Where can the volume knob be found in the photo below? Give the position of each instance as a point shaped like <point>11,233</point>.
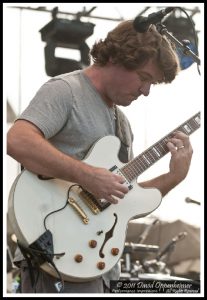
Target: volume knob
<point>101,265</point>
<point>114,251</point>
<point>78,258</point>
<point>92,243</point>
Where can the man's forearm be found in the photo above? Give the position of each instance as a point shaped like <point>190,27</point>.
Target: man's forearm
<point>164,183</point>
<point>39,156</point>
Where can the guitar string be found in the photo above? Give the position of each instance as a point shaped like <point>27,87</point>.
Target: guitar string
<point>139,160</point>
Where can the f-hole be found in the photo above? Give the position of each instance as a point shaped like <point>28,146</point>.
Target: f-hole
<point>108,235</point>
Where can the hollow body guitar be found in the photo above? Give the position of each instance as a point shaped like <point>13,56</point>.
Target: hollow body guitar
<point>91,233</point>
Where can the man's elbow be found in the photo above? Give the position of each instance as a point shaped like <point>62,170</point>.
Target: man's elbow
<point>11,143</point>
<point>15,143</point>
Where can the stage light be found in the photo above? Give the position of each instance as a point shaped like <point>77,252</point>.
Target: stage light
<point>67,34</point>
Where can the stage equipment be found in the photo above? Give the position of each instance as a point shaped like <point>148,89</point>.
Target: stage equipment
<point>65,33</point>
<point>184,30</point>
<point>181,31</point>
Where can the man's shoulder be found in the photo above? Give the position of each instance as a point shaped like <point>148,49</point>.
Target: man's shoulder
<point>70,78</point>
<point>69,74</point>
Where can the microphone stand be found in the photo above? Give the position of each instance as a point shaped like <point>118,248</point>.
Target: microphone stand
<point>170,247</point>
<point>186,50</point>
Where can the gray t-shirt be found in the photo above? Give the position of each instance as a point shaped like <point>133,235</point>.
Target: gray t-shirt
<point>72,116</point>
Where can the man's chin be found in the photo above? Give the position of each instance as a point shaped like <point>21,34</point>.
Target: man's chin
<point>127,104</point>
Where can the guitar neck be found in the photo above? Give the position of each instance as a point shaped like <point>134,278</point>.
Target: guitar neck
<point>147,158</point>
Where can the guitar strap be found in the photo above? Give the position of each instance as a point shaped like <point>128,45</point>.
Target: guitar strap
<point>124,133</point>
<point>30,262</point>
<point>40,251</point>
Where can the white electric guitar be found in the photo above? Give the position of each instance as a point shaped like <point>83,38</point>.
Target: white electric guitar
<point>89,233</point>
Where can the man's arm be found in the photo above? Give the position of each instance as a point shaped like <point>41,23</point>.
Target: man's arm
<point>27,145</point>
<point>179,164</point>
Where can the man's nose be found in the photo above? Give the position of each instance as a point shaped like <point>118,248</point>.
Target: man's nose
<point>145,89</point>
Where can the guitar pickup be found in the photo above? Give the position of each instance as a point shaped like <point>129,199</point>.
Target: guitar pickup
<point>90,201</point>
<point>117,171</point>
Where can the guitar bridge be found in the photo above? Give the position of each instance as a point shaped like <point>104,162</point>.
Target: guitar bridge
<point>79,210</point>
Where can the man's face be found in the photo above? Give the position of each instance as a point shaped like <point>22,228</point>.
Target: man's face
<point>126,86</point>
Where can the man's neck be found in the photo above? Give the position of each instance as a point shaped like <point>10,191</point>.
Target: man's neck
<point>97,77</point>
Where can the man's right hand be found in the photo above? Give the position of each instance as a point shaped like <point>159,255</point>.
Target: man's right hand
<point>104,185</point>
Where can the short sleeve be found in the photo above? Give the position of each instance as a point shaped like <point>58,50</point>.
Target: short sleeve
<point>50,108</point>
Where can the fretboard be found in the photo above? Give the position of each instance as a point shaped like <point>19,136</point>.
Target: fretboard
<point>147,158</point>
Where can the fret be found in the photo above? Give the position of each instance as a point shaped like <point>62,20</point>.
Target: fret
<point>132,170</point>
<point>141,168</point>
<point>189,127</point>
<point>156,152</point>
<point>129,171</point>
<point>191,124</point>
<point>151,155</point>
<point>195,123</point>
<point>135,165</point>
<point>148,156</point>
<point>197,120</point>
<point>163,144</point>
<point>186,128</point>
<point>161,148</point>
<point>143,163</point>
<point>146,159</point>
<point>140,163</point>
<point>182,129</point>
<point>131,176</point>
<point>157,146</point>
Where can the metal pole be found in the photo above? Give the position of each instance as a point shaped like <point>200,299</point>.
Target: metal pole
<point>79,14</point>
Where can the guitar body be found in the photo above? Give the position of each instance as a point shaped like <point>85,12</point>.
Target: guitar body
<point>32,199</point>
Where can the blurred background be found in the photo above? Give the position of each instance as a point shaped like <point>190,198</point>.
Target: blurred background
<point>43,41</point>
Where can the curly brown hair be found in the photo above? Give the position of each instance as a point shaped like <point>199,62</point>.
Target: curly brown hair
<point>131,49</point>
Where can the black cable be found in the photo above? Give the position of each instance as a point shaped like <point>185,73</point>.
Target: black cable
<point>191,23</point>
<point>36,280</point>
<point>61,207</point>
<point>49,260</point>
<point>60,277</point>
<point>32,252</point>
